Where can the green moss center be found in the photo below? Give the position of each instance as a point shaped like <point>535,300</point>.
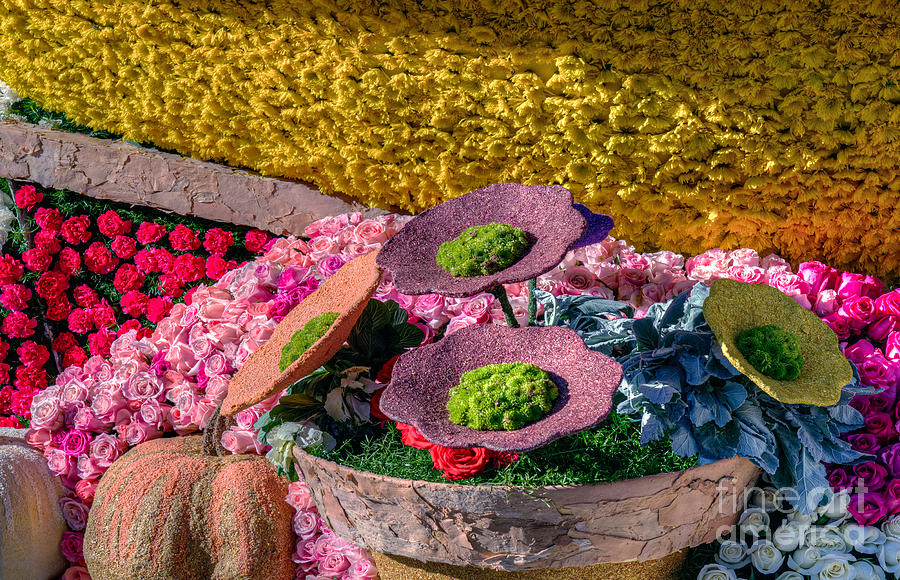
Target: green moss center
<point>501,396</point>
<point>772,351</point>
<point>483,250</point>
<point>312,331</point>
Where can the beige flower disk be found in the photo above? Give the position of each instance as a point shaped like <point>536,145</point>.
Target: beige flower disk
<point>347,292</point>
<point>733,307</point>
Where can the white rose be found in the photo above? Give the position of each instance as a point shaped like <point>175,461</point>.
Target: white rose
<point>790,575</point>
<point>716,572</point>
<point>788,537</point>
<point>837,567</point>
<point>836,509</point>
<point>891,527</point>
<point>754,521</point>
<point>889,555</point>
<point>807,561</point>
<point>766,557</point>
<point>867,571</point>
<point>800,519</point>
<point>732,554</point>
<point>864,539</point>
<point>765,499</point>
<point>828,538</point>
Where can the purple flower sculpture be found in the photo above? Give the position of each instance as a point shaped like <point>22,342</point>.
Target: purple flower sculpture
<point>544,212</point>
<point>422,378</point>
<point>598,227</point>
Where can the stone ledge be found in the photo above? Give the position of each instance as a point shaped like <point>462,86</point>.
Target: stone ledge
<point>120,171</point>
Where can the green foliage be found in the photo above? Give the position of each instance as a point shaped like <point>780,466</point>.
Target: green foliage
<point>483,250</point>
<point>501,396</point>
<point>382,332</point>
<point>612,451</point>
<point>34,113</point>
<point>773,351</point>
<point>312,331</point>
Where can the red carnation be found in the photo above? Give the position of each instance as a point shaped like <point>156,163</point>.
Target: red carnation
<point>49,219</point>
<point>190,268</point>
<point>86,297</point>
<point>80,321</point>
<point>183,239</point>
<point>32,354</point>
<point>64,341</point>
<point>124,247</point>
<point>58,308</point>
<point>29,378</point>
<point>99,259</point>
<point>157,308</point>
<point>128,277</point>
<point>69,261</point>
<point>149,232</point>
<point>146,261</point>
<point>11,270</point>
<point>27,197</point>
<point>111,224</point>
<point>104,316</point>
<point>18,325</point>
<point>165,261</point>
<point>133,303</point>
<point>216,267</point>
<point>217,241</point>
<point>189,295</point>
<point>255,240</point>
<point>46,241</point>
<point>130,324</point>
<point>21,399</point>
<point>15,297</point>
<point>36,259</point>
<point>51,284</point>
<point>459,463</point>
<point>4,350</point>
<point>4,373</point>
<point>170,285</point>
<point>75,229</point>
<point>100,341</point>
<point>75,356</point>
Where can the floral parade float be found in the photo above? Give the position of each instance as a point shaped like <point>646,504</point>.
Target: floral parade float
<point>338,402</point>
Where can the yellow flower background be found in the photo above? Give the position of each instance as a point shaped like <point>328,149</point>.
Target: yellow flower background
<point>694,124</point>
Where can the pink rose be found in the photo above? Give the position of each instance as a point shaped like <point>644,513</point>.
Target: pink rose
<point>362,570</point>
<point>818,276</point>
<point>860,310</point>
<point>321,247</point>
<point>76,442</point>
<point>881,328</point>
<point>859,350</point>
<point>106,448</point>
<point>892,347</point>
<point>153,413</point>
<point>889,304</point>
<point>577,280</point>
<point>242,441</point>
<point>76,573</point>
<point>202,411</point>
<point>370,232</point>
<point>217,364</point>
<point>86,420</point>
<point>478,307</point>
<point>38,437</point>
<point>143,386</point>
<point>137,432</point>
<point>247,418</point>
<point>748,274</point>
<point>87,468</point>
<point>881,425</point>
<point>854,285</point>
<point>790,284</point>
<point>292,277</point>
<point>328,265</point>
<point>45,411</point>
<point>839,324</point>
<point>251,291</point>
<point>459,322</point>
<point>217,386</point>
<point>868,509</point>
<point>299,498</point>
<point>744,257</point>
<point>306,524</point>
<point>60,463</point>
<point>892,496</point>
<point>334,565</point>
<point>878,371</point>
<point>71,546</point>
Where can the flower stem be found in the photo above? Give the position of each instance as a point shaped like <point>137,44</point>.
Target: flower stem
<point>499,293</point>
<point>532,302</point>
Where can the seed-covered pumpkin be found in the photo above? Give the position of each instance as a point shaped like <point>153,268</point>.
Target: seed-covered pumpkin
<point>169,509</point>
<point>31,523</point>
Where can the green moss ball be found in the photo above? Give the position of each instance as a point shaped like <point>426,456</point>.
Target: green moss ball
<point>772,351</point>
<point>312,331</point>
<point>483,250</point>
<point>501,396</point>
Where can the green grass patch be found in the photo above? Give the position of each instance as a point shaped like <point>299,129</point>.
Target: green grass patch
<point>609,452</point>
<point>34,113</point>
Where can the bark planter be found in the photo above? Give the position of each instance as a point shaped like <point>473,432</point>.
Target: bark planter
<point>419,529</point>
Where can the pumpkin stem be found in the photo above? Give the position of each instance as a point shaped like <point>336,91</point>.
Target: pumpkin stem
<point>212,435</point>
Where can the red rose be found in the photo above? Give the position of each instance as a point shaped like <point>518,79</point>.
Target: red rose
<point>75,229</point>
<point>128,277</point>
<point>133,303</point>
<point>111,224</point>
<point>124,247</point>
<point>32,354</point>
<point>30,378</point>
<point>183,239</point>
<point>459,463</point>
<point>36,259</point>
<point>99,259</point>
<point>189,268</point>
<point>75,356</point>
<point>100,341</point>
<point>165,261</point>
<point>46,241</point>
<point>4,350</point>
<point>216,267</point>
<point>104,316</point>
<point>51,284</point>
<point>58,308</point>
<point>48,219</point>
<point>27,197</point>
<point>80,321</point>
<point>149,232</point>
<point>11,270</point>
<point>170,285</point>
<point>217,241</point>
<point>375,407</point>
<point>64,341</point>
<point>15,297</point>
<point>85,296</point>
<point>157,308</point>
<point>384,374</point>
<point>69,261</point>
<point>411,437</point>
<point>255,240</point>
<point>130,324</point>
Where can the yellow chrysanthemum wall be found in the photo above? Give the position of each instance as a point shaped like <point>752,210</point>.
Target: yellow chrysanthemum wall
<point>695,124</point>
